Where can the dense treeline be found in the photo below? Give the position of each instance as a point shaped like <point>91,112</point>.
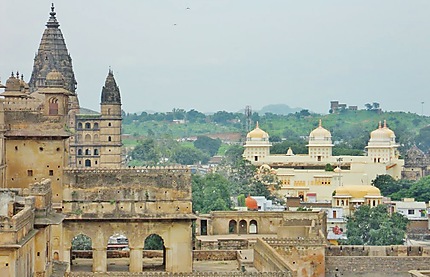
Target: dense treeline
<point>350,129</point>
<point>398,189</point>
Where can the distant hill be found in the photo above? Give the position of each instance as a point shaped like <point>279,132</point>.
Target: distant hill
<point>281,109</point>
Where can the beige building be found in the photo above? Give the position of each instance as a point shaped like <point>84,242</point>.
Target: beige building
<point>61,176</point>
<point>305,176</point>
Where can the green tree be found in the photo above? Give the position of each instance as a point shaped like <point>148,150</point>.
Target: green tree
<point>81,242</point>
<point>389,187</point>
<point>189,155</point>
<point>419,190</point>
<point>375,226</point>
<point>207,144</point>
<point>210,193</point>
<point>146,151</point>
<point>153,242</point>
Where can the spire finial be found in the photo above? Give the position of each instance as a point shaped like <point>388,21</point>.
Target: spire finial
<point>12,75</point>
<point>256,126</point>
<point>52,22</point>
<point>379,125</point>
<point>110,70</point>
<point>320,123</point>
<point>385,123</point>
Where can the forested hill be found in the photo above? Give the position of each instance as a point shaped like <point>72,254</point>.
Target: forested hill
<point>351,128</point>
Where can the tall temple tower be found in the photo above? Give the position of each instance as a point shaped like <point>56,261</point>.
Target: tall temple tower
<point>110,129</point>
<point>97,140</point>
<point>53,54</point>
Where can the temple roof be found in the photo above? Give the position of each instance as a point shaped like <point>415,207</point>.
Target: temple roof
<point>52,54</point>
<point>110,91</point>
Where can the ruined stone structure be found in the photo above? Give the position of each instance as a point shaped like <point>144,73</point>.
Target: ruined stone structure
<point>75,154</point>
<point>417,164</point>
<point>30,231</point>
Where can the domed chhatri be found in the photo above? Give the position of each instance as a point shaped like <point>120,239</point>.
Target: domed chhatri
<point>257,133</point>
<point>320,144</point>
<point>257,144</point>
<point>55,79</point>
<point>320,133</point>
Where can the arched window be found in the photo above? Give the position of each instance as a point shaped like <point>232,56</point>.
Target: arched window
<point>109,138</point>
<point>253,227</point>
<point>80,125</point>
<point>155,242</point>
<point>88,163</point>
<point>87,138</point>
<point>53,106</point>
<point>96,125</point>
<point>79,152</point>
<point>87,152</point>
<point>87,125</point>
<point>96,137</point>
<point>96,152</point>
<point>232,227</point>
<point>243,227</point>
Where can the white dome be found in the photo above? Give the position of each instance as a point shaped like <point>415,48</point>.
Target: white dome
<point>257,133</point>
<point>320,132</point>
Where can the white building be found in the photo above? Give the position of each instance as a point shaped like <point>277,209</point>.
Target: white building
<point>411,209</point>
<point>305,176</point>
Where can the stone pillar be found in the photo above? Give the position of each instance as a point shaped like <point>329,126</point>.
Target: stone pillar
<point>99,260</point>
<point>136,260</point>
<point>67,259</point>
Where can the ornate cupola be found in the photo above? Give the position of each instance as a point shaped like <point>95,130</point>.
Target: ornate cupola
<point>52,54</point>
<point>382,146</point>
<point>15,87</point>
<point>320,143</point>
<point>257,145</point>
<point>111,97</point>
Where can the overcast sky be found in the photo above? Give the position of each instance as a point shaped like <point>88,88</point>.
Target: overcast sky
<point>224,55</point>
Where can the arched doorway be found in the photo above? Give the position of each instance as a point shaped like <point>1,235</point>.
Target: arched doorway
<point>81,256</point>
<point>88,163</point>
<point>232,227</point>
<point>154,253</point>
<point>243,227</point>
<point>118,253</point>
<point>253,227</point>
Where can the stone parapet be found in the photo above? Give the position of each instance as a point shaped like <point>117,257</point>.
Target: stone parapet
<point>169,274</point>
<point>294,241</point>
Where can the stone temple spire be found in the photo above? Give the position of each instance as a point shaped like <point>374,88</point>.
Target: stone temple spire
<point>110,91</point>
<point>52,54</point>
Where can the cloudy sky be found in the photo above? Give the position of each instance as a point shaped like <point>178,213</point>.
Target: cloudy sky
<point>224,55</point>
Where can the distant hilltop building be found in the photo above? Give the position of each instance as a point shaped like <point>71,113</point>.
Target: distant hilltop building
<point>335,107</point>
<point>307,177</point>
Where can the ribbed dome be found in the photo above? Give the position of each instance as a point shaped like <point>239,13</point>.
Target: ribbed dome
<point>257,133</point>
<point>320,132</point>
<point>54,79</point>
<point>251,203</point>
<point>381,133</point>
<point>358,191</point>
<point>388,131</point>
<point>13,84</point>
